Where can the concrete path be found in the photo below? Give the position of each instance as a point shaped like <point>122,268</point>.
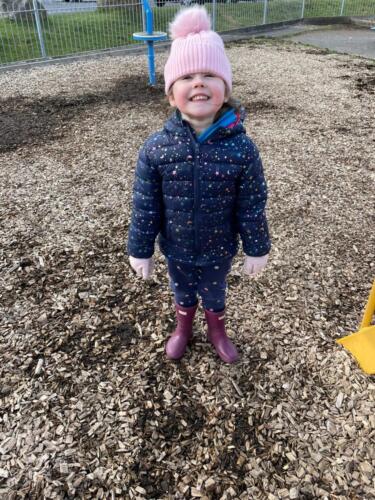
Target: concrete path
<point>350,39</point>
<point>62,7</point>
<point>356,41</point>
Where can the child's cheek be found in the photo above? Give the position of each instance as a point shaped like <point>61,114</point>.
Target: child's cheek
<point>217,102</point>
<point>180,101</point>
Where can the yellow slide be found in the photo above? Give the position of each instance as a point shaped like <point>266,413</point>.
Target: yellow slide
<point>362,343</point>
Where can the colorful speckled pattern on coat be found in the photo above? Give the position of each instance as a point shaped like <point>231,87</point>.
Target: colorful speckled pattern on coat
<point>199,197</point>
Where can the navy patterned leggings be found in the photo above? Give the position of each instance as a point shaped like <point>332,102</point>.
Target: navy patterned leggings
<point>188,280</point>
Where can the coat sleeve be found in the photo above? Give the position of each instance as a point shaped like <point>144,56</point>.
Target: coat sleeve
<point>147,210</point>
<point>250,208</point>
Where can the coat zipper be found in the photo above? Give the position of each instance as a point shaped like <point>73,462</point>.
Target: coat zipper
<point>197,193</point>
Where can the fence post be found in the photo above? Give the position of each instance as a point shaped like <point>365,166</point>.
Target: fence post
<point>39,29</point>
<point>303,9</point>
<point>214,15</point>
<point>265,12</point>
<point>342,7</point>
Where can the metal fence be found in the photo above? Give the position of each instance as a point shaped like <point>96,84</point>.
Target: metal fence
<point>37,29</point>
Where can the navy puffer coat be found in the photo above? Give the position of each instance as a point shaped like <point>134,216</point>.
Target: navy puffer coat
<point>199,197</point>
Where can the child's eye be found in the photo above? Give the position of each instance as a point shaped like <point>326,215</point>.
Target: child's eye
<point>186,77</point>
<point>209,75</point>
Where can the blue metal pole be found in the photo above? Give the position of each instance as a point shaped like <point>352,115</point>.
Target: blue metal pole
<point>149,19</point>
<point>150,44</point>
<point>151,62</point>
<point>150,37</point>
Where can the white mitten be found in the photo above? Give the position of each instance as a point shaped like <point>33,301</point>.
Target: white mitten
<point>142,267</point>
<point>254,265</point>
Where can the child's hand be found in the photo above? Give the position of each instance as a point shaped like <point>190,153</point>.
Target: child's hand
<point>254,265</point>
<point>142,267</point>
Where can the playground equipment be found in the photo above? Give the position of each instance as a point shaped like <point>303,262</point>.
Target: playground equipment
<point>149,36</point>
<point>362,343</point>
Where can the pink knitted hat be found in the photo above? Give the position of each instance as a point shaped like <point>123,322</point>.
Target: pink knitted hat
<point>195,48</point>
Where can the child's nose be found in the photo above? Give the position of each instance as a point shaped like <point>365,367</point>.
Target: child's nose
<point>198,81</point>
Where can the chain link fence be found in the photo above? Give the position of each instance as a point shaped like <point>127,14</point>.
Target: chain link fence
<point>41,29</point>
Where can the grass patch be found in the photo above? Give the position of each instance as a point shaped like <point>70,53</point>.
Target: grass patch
<point>71,33</point>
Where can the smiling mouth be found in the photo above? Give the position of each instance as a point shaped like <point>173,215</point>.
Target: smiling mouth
<point>199,98</point>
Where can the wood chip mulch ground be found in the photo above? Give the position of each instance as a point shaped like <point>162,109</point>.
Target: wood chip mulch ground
<point>90,408</point>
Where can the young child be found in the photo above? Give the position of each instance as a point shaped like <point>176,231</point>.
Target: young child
<point>199,184</point>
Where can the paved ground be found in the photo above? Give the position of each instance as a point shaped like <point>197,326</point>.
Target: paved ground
<point>340,38</point>
<point>54,7</point>
<point>59,6</point>
<point>355,41</point>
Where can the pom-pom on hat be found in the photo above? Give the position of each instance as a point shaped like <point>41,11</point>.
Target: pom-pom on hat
<point>195,48</point>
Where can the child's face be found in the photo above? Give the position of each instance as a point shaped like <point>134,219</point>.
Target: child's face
<point>198,96</point>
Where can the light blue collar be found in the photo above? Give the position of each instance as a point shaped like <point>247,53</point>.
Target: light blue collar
<point>226,119</point>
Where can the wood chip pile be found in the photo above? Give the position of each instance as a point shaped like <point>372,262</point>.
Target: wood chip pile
<point>90,408</point>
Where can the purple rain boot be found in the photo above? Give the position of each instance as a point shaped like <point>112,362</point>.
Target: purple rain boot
<point>217,336</point>
<point>176,345</point>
